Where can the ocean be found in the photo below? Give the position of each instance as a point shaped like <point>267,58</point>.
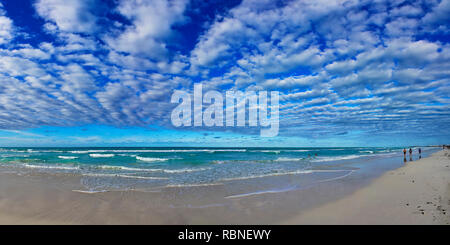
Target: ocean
<point>125,168</point>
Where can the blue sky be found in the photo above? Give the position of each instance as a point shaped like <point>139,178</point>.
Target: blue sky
<point>350,73</point>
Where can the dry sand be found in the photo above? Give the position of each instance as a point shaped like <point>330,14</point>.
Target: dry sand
<point>418,193</point>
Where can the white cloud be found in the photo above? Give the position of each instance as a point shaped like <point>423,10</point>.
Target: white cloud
<point>151,25</point>
<point>6,27</point>
<point>69,15</point>
<point>438,18</point>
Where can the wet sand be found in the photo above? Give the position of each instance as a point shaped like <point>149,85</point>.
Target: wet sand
<point>398,197</point>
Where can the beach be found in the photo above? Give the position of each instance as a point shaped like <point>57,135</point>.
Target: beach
<point>415,194</point>
<point>385,191</point>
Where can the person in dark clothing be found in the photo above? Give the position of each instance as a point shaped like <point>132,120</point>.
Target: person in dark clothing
<point>420,153</point>
<point>410,154</point>
<point>404,155</point>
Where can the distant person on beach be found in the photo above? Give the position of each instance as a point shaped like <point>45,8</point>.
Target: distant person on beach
<point>420,153</point>
<point>404,155</point>
<point>410,154</point>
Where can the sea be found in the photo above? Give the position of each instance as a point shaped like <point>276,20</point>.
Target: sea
<point>127,168</point>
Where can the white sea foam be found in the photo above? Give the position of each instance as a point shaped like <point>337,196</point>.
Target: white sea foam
<point>370,152</point>
<point>296,150</point>
<point>292,187</point>
<point>158,151</point>
<point>124,176</point>
<point>51,167</point>
<point>169,171</point>
<point>302,171</point>
<point>101,155</point>
<point>335,158</point>
<point>218,162</point>
<point>127,155</point>
<point>268,175</point>
<point>67,157</point>
<point>89,191</point>
<point>150,159</point>
<point>288,159</point>
<point>128,168</point>
<point>14,155</point>
<point>192,185</point>
<point>270,151</point>
<point>183,170</point>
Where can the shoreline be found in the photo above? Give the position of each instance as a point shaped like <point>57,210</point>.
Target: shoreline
<point>417,193</point>
<point>44,199</point>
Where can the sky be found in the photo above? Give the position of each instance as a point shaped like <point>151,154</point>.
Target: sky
<point>101,73</point>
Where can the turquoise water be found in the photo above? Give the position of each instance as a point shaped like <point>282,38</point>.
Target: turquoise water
<point>128,168</point>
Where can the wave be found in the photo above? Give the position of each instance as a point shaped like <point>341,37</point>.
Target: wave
<point>297,150</point>
<point>370,152</point>
<point>169,171</point>
<point>218,162</point>
<point>51,167</point>
<point>12,155</point>
<point>336,158</point>
<point>286,173</point>
<point>46,151</point>
<point>268,175</point>
<point>29,150</point>
<point>127,155</point>
<point>269,151</point>
<point>192,185</point>
<point>290,188</point>
<point>67,157</point>
<point>184,170</point>
<point>157,151</point>
<point>150,159</point>
<point>89,192</point>
<point>128,168</point>
<point>287,159</point>
<point>101,155</point>
<point>124,176</point>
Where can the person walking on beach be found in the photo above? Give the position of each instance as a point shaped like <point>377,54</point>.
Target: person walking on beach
<point>404,155</point>
<point>420,153</point>
<point>410,154</point>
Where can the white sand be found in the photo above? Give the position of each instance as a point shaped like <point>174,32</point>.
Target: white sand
<point>418,193</point>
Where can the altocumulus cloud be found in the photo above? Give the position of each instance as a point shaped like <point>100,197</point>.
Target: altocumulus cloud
<point>372,67</point>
